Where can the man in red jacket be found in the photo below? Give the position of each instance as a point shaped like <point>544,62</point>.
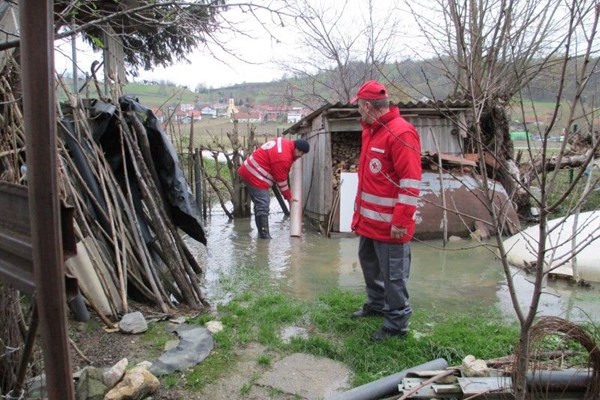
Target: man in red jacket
<point>389,176</point>
<point>268,165</point>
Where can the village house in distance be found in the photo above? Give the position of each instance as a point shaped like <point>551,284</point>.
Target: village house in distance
<point>256,114</point>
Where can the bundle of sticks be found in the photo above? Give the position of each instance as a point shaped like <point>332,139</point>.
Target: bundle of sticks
<point>128,245</point>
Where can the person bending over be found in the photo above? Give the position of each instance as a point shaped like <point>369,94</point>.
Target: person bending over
<point>268,165</point>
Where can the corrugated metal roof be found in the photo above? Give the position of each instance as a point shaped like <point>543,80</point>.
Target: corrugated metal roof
<point>438,106</point>
<point>306,120</point>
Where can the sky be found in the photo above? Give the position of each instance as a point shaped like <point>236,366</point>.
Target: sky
<point>259,47</point>
<point>204,68</point>
<point>209,66</point>
<point>214,67</point>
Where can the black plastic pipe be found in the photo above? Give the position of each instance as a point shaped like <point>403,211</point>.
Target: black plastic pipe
<point>389,384</point>
<point>570,380</point>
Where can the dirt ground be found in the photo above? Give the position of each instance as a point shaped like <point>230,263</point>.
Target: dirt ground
<point>92,345</point>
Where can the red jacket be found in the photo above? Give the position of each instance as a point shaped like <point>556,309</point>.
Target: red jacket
<point>389,177</point>
<point>270,164</point>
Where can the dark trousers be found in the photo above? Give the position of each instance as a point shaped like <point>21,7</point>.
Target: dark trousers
<point>261,200</point>
<point>386,268</point>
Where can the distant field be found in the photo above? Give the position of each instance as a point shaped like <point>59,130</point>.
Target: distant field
<point>535,144</point>
<point>211,131</point>
<point>543,111</point>
<point>153,96</point>
<point>207,130</point>
<point>539,108</point>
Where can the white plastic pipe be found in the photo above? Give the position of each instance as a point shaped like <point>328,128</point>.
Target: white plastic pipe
<point>296,206</point>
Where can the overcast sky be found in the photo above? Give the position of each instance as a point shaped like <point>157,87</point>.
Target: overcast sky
<point>213,67</point>
<point>210,66</point>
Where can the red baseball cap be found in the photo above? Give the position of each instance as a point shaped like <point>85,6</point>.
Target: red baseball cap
<point>370,90</point>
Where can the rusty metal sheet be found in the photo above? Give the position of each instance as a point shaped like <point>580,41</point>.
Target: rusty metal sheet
<point>465,202</point>
<point>16,256</point>
<point>457,160</point>
<point>16,253</point>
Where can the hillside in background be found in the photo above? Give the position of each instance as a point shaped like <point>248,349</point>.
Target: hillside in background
<point>412,81</point>
<point>164,93</point>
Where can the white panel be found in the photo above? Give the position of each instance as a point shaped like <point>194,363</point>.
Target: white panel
<point>348,187</point>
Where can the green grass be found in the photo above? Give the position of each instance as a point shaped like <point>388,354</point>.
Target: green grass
<point>245,390</point>
<point>542,110</point>
<point>264,360</point>
<point>535,146</point>
<point>259,316</point>
<point>156,338</point>
<point>172,381</point>
<point>258,313</point>
<point>563,181</point>
<point>159,95</point>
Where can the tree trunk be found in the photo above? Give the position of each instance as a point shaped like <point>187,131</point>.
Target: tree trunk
<point>521,364</point>
<point>501,161</point>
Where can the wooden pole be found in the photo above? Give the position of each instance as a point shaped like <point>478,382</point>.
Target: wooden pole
<point>39,110</point>
<point>198,178</point>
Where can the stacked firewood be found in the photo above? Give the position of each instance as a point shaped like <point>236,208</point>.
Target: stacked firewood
<point>345,149</point>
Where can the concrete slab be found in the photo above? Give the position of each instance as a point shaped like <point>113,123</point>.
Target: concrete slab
<point>307,376</point>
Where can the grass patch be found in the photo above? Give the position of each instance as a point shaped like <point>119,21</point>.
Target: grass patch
<point>264,360</point>
<point>260,316</point>
<point>563,181</point>
<point>171,381</point>
<point>212,133</point>
<point>212,368</point>
<point>156,338</point>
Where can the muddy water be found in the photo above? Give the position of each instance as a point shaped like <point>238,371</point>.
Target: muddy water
<point>451,279</point>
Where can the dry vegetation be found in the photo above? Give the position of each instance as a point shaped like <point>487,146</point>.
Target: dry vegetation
<point>209,131</point>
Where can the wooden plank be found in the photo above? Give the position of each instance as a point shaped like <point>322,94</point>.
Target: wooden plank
<point>39,110</point>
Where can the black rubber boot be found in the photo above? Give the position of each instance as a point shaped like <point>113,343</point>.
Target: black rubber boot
<point>262,224</point>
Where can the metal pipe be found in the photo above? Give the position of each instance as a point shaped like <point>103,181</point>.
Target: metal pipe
<point>296,206</point>
<point>389,384</point>
<point>570,380</point>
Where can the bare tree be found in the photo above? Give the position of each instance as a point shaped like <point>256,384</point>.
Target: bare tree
<point>157,32</point>
<point>225,181</point>
<point>342,46</point>
<point>491,51</point>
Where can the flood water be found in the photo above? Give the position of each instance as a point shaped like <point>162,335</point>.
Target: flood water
<point>453,279</point>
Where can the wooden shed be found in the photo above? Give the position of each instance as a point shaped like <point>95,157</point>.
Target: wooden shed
<point>451,201</point>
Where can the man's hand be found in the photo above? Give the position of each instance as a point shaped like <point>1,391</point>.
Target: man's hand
<point>290,201</point>
<point>397,233</point>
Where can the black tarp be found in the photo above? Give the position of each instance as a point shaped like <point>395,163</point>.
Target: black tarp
<point>180,202</point>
